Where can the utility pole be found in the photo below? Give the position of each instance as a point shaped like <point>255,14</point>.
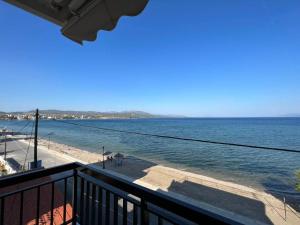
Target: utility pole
<point>5,147</point>
<point>103,163</point>
<point>36,137</point>
<point>49,142</point>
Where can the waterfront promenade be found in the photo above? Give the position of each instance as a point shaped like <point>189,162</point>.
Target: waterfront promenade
<point>17,151</point>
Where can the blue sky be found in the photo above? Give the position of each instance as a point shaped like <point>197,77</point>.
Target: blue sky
<point>201,58</point>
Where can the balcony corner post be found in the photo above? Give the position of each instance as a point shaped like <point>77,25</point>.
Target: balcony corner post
<point>144,213</point>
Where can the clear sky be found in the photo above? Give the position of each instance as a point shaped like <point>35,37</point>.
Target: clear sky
<point>194,58</point>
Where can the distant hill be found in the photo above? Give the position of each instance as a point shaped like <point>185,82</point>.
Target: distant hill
<point>292,115</point>
<point>92,114</point>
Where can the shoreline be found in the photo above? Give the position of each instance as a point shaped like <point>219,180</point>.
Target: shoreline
<point>191,187</point>
<point>217,175</point>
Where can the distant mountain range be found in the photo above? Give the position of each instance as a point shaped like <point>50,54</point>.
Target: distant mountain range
<point>114,114</point>
<point>54,111</point>
<point>90,114</point>
<point>292,115</point>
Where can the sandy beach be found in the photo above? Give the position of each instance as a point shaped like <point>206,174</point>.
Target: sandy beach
<point>249,205</point>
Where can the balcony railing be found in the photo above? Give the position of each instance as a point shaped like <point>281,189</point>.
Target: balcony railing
<point>79,194</point>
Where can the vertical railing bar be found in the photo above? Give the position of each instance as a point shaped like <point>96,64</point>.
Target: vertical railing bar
<point>65,199</point>
<point>93,203</point>
<point>2,211</point>
<point>74,200</point>
<point>21,207</point>
<point>135,214</point>
<point>160,220</point>
<point>87,203</point>
<point>81,200</point>
<point>100,202</point>
<point>38,205</point>
<point>107,207</point>
<point>52,203</point>
<point>116,199</point>
<point>124,212</point>
<point>144,213</point>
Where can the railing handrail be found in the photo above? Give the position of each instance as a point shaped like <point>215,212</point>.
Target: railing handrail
<point>174,205</point>
<point>35,174</point>
<point>164,201</point>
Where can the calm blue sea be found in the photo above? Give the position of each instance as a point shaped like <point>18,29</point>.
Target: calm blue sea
<point>269,170</point>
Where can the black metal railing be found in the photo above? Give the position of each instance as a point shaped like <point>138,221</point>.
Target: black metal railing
<point>86,195</point>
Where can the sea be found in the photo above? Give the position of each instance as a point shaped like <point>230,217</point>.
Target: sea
<point>268,170</point>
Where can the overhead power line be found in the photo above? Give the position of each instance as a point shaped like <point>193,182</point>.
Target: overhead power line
<point>24,126</point>
<point>16,123</point>
<point>181,138</point>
